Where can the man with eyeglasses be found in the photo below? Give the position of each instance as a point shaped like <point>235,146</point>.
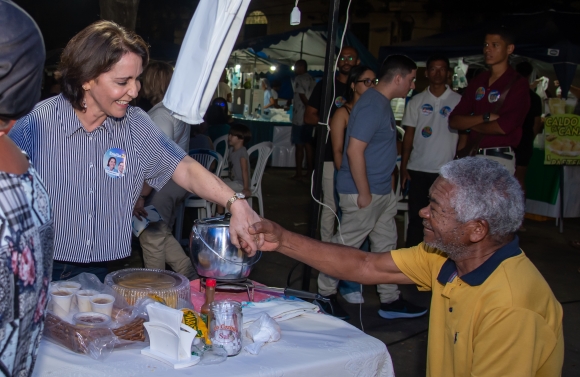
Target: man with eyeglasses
<point>363,182</point>
<point>347,59</point>
<point>429,143</point>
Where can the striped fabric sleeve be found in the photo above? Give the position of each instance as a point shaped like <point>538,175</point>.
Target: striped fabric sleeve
<point>20,135</point>
<point>158,154</point>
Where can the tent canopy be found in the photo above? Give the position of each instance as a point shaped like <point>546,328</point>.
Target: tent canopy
<point>305,43</point>
<point>249,61</point>
<point>548,36</point>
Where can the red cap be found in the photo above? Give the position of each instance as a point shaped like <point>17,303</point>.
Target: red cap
<point>210,283</point>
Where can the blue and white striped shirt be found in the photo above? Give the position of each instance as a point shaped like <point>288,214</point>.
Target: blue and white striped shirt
<point>93,208</point>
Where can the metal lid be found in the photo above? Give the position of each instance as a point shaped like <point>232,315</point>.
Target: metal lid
<point>218,221</point>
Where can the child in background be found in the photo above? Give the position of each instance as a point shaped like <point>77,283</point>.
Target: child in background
<point>238,159</point>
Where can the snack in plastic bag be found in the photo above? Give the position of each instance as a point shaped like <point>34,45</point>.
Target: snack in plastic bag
<point>193,320</point>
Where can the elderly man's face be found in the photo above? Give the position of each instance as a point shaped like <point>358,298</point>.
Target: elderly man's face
<point>440,227</point>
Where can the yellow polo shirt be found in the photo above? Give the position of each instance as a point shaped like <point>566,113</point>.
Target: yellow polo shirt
<point>501,319</point>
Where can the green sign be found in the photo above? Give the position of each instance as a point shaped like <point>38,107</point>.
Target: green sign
<point>562,140</point>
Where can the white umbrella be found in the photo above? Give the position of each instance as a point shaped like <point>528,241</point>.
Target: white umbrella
<point>207,45</point>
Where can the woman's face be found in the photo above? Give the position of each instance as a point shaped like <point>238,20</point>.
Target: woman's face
<point>360,87</point>
<point>110,93</point>
<point>112,163</point>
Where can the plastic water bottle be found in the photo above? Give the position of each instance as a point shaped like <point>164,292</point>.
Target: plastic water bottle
<point>259,109</point>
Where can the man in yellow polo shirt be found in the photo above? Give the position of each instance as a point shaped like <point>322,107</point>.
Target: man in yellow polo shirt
<point>492,312</point>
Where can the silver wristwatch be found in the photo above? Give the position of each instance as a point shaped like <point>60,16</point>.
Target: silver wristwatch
<point>237,196</point>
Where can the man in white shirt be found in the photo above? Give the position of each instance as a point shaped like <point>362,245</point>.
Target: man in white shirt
<point>429,143</point>
<point>223,89</point>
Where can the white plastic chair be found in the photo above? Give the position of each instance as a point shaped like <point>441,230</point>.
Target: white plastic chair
<point>264,151</point>
<point>225,169</point>
<point>206,157</point>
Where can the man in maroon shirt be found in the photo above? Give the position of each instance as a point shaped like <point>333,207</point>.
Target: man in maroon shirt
<point>478,112</point>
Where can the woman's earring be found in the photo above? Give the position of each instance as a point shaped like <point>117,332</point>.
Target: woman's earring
<point>84,104</point>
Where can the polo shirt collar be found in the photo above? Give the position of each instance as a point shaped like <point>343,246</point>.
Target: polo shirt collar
<point>481,273</point>
<point>442,96</point>
<point>71,123</point>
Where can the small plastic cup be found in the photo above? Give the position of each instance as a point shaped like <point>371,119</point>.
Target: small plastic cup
<point>61,301</point>
<point>102,303</point>
<point>91,319</point>
<point>71,286</point>
<point>84,299</point>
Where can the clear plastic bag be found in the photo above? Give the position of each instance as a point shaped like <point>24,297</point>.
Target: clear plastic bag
<point>97,342</point>
<point>209,355</point>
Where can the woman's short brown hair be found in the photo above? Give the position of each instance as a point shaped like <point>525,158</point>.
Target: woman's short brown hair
<point>155,80</point>
<point>93,51</point>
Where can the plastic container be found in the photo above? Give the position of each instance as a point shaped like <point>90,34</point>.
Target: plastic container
<point>102,303</point>
<point>136,283</point>
<point>84,299</point>
<point>91,319</point>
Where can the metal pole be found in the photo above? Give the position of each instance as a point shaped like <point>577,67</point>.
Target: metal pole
<point>321,130</point>
<point>251,110</point>
<point>301,45</point>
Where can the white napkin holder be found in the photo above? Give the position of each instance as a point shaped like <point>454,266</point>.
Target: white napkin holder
<point>169,339</point>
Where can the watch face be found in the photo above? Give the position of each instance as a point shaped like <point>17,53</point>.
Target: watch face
<point>239,195</point>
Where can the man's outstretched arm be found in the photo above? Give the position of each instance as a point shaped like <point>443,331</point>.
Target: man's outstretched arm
<point>339,261</point>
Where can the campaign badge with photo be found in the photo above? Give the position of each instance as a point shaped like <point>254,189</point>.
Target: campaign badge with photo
<point>426,109</point>
<point>493,96</point>
<point>339,101</point>
<point>115,163</point>
<point>427,132</point>
<point>479,93</point>
<point>445,111</point>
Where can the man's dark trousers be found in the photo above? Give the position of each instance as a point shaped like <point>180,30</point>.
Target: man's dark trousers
<point>418,198</point>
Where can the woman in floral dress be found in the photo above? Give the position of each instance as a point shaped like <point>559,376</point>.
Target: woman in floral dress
<point>26,233</point>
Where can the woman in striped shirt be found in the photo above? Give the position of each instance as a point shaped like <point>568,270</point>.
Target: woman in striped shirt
<point>86,125</point>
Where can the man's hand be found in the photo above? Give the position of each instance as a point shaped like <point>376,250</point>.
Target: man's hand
<point>242,219</point>
<point>139,209</point>
<point>405,176</point>
<point>271,232</point>
<point>493,117</point>
<point>364,200</point>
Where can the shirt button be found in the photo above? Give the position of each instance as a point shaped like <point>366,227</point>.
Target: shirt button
<point>91,165</point>
<point>90,216</point>
<point>88,242</point>
<point>90,191</point>
<point>91,138</point>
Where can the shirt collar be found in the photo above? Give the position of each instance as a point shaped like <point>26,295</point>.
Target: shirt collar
<point>442,96</point>
<point>481,273</point>
<point>69,120</point>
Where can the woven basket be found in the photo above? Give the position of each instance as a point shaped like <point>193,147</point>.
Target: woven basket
<point>77,338</point>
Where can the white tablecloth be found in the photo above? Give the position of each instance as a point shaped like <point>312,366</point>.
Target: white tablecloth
<point>311,345</point>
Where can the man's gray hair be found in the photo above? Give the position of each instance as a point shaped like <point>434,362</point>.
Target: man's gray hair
<point>485,190</point>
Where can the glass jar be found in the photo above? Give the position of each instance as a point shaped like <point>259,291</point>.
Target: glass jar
<point>226,323</point>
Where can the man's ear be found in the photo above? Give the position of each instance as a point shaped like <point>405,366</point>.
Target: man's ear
<point>510,48</point>
<point>478,230</point>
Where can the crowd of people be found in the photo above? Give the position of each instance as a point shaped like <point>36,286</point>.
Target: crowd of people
<point>491,313</point>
